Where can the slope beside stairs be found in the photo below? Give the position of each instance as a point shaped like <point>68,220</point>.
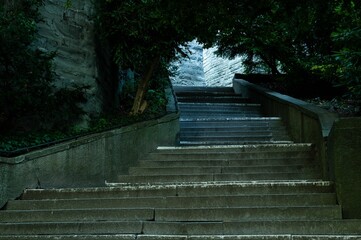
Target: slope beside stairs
<point>236,174</point>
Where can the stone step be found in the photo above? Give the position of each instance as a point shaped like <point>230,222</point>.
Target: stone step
<point>173,214</point>
<point>314,227</point>
<point>189,169</point>
<point>259,151</point>
<point>194,116</point>
<point>299,199</point>
<point>218,106</point>
<point>228,162</point>
<point>240,122</point>
<point>252,137</point>
<point>235,142</point>
<point>296,147</point>
<point>209,98</point>
<point>256,227</point>
<point>311,175</point>
<point>183,189</point>
<point>201,89</point>
<point>182,237</point>
<point>77,215</point>
<point>238,132</point>
<point>228,129</point>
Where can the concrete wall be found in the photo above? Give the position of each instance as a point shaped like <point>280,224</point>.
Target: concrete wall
<point>87,161</point>
<point>344,151</point>
<point>70,32</point>
<point>305,122</point>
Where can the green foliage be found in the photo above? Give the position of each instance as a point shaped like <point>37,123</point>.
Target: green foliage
<point>28,99</point>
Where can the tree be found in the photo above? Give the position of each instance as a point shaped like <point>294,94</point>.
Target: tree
<point>144,34</point>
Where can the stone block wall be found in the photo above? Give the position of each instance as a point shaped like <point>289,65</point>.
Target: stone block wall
<point>189,71</point>
<point>70,33</point>
<point>205,68</point>
<point>220,71</point>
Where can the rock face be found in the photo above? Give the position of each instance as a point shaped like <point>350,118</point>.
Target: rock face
<point>219,71</point>
<point>189,71</point>
<point>70,32</point>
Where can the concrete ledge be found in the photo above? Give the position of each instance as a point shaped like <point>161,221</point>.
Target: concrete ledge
<point>344,151</point>
<point>305,122</point>
<point>87,161</point>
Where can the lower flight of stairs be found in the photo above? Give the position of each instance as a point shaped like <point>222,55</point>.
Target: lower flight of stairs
<point>211,186</point>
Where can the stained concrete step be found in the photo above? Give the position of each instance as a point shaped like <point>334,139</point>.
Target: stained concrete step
<point>214,99</point>
<point>218,106</point>
<point>184,189</point>
<point>192,116</point>
<point>249,142</point>
<point>219,132</point>
<point>228,162</point>
<point>183,237</point>
<point>236,122</point>
<point>259,151</point>
<point>299,199</point>
<point>241,138</point>
<point>227,129</point>
<point>77,215</point>
<point>173,214</point>
<point>314,227</point>
<point>190,169</point>
<point>312,175</point>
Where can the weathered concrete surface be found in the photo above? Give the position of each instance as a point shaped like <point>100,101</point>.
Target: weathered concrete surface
<point>70,33</point>
<point>344,151</point>
<point>87,161</point>
<point>305,122</point>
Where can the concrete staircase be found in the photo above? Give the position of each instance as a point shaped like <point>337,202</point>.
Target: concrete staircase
<point>235,175</point>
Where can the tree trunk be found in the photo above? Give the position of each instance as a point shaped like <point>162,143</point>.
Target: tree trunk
<point>142,87</point>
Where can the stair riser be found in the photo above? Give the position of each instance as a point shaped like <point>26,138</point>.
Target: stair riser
<point>180,202</point>
<point>182,190</point>
<point>229,156</point>
<point>73,237</point>
<point>219,177</point>
<point>195,134</point>
<point>183,237</point>
<point>170,214</point>
<point>155,228</point>
<point>232,130</point>
<point>230,123</point>
<point>77,215</point>
<point>226,163</point>
<point>137,171</point>
<point>255,228</point>
<point>250,214</point>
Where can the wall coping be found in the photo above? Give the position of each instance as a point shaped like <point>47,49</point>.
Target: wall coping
<point>325,118</point>
<point>85,139</point>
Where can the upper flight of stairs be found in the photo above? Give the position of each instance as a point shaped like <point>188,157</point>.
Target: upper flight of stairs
<point>235,174</point>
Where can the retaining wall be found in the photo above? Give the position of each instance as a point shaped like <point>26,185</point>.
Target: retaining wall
<point>85,162</point>
<point>305,122</point>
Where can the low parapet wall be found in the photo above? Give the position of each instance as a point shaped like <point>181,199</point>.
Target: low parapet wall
<point>344,151</point>
<point>305,122</point>
<point>87,161</point>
